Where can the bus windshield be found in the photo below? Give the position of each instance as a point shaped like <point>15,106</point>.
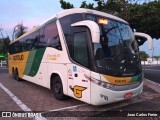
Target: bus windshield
<point>117,51</point>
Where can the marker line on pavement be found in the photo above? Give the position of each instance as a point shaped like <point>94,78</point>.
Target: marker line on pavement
<point>155,83</point>
<point>152,70</point>
<point>15,99</point>
<point>70,107</point>
<point>19,102</point>
<point>3,68</point>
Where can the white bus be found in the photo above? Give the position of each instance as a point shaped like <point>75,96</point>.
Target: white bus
<point>85,54</point>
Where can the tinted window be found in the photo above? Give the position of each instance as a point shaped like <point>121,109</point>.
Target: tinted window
<point>51,37</point>
<point>68,30</point>
<point>44,37</point>
<point>16,47</point>
<point>80,48</point>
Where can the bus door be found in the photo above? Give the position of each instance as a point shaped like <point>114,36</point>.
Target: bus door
<point>78,83</point>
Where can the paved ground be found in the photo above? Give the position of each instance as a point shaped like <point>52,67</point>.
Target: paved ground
<point>37,98</point>
<point>152,72</point>
<point>3,70</point>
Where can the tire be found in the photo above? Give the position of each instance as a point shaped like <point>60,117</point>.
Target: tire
<point>57,88</point>
<point>16,75</point>
<point>13,73</point>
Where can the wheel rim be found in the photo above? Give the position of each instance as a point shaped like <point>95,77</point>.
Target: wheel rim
<point>57,88</point>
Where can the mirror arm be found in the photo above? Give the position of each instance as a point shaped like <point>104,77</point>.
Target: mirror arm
<point>146,36</point>
<point>93,27</point>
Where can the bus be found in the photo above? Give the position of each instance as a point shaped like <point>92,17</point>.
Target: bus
<point>85,54</point>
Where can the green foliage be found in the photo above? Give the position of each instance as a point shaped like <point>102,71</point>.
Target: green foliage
<point>1,45</point>
<point>145,18</point>
<point>143,55</point>
<point>66,5</point>
<point>156,57</point>
<point>142,17</point>
<point>85,5</point>
<point>4,46</point>
<point>19,30</point>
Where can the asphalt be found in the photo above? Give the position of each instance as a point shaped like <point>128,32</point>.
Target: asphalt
<point>152,72</point>
<point>3,70</point>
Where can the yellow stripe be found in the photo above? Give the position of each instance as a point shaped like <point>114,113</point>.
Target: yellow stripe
<point>52,58</point>
<point>117,80</point>
<point>19,64</point>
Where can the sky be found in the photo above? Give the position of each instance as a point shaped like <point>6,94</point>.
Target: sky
<point>35,12</point>
<point>156,47</point>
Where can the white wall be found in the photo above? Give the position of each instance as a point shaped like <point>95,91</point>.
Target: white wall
<point>3,63</point>
<point>150,62</point>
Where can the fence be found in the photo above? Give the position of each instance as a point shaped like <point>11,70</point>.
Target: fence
<point>150,62</point>
<point>3,63</point>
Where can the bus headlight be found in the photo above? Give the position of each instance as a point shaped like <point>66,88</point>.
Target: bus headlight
<point>99,82</point>
<point>102,83</point>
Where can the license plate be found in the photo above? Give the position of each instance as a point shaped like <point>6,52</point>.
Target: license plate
<point>128,95</point>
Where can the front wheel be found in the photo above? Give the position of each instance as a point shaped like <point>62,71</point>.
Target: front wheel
<point>57,88</point>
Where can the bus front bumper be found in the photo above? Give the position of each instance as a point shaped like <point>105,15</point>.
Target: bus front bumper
<point>102,96</point>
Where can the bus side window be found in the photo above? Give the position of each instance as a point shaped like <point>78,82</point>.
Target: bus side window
<point>35,39</point>
<point>38,39</point>
<point>51,36</point>
<point>16,47</point>
<point>24,44</point>
<point>27,42</point>
<point>35,42</point>
<point>67,29</point>
<point>80,49</point>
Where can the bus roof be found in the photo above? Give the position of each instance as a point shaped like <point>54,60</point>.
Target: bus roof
<point>83,10</point>
<point>68,12</point>
<point>27,33</point>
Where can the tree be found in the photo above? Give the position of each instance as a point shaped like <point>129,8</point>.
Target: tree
<point>156,58</point>
<point>142,17</point>
<point>4,47</point>
<point>4,44</point>
<point>85,5</point>
<point>145,17</point>
<point>1,45</point>
<point>143,56</point>
<point>19,30</point>
<point>66,5</point>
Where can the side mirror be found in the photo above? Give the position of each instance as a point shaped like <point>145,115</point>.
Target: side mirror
<point>93,27</point>
<point>142,37</point>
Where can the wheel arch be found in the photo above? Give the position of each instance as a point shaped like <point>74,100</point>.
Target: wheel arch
<point>52,76</point>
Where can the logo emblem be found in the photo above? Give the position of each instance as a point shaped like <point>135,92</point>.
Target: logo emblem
<point>74,69</point>
<point>77,90</point>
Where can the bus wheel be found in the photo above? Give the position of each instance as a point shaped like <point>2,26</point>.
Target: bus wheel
<point>57,88</point>
<point>16,75</point>
<point>13,73</point>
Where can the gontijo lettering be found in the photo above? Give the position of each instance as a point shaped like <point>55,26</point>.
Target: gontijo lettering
<point>18,57</point>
